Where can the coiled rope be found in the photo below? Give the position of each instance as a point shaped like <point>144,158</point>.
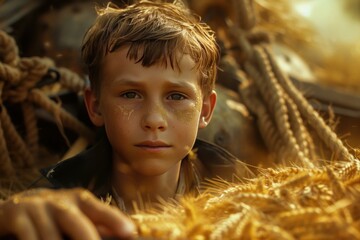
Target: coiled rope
<point>18,85</point>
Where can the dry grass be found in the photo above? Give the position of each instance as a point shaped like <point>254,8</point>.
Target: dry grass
<point>282,203</point>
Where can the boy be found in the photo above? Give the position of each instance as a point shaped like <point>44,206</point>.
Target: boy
<point>152,68</point>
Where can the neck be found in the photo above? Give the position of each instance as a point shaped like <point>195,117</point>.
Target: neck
<point>133,187</point>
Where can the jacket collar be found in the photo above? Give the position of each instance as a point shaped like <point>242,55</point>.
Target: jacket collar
<point>90,169</point>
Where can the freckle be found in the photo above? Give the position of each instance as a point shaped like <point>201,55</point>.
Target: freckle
<point>129,114</point>
<point>188,114</point>
<point>126,112</point>
<point>197,103</point>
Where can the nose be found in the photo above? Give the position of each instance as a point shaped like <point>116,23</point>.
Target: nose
<point>154,118</point>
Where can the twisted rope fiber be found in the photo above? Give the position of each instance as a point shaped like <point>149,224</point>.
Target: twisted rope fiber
<point>257,78</point>
<point>30,120</point>
<point>301,133</point>
<point>5,162</point>
<point>276,102</point>
<point>289,147</point>
<point>284,102</point>
<point>253,100</point>
<point>284,144</point>
<point>283,114</point>
<point>39,98</point>
<point>266,121</point>
<point>9,73</point>
<point>32,70</point>
<point>9,51</point>
<point>313,118</point>
<point>8,59</point>
<point>18,78</point>
<point>19,152</point>
<point>71,80</point>
<point>246,18</point>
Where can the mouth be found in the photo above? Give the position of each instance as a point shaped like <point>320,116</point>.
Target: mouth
<point>153,145</point>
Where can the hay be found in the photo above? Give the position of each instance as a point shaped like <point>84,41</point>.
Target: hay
<point>281,203</point>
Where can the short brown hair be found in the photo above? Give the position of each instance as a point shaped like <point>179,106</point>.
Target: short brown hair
<point>155,33</point>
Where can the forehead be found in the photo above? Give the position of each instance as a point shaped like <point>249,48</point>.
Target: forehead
<point>119,71</point>
<point>120,58</point>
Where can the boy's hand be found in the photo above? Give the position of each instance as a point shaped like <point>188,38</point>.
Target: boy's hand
<point>51,214</point>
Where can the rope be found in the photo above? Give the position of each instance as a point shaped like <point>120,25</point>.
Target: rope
<point>32,69</point>
<point>9,59</point>
<point>6,168</point>
<point>19,79</point>
<point>70,80</point>
<point>314,119</point>
<point>245,18</point>
<point>30,121</point>
<point>18,150</point>
<point>284,116</point>
<point>9,51</point>
<point>39,98</point>
<point>5,162</point>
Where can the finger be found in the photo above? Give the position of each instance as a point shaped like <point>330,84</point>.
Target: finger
<point>22,227</point>
<point>106,216</point>
<point>104,232</point>
<point>14,220</point>
<point>74,223</point>
<point>44,224</point>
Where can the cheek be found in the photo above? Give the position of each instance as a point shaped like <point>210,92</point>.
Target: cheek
<point>186,116</point>
<point>189,113</point>
<point>119,119</point>
<point>124,112</point>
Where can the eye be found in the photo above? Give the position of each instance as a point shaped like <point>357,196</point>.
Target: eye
<point>177,96</point>
<point>130,95</point>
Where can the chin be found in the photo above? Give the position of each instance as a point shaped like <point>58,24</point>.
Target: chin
<point>153,169</point>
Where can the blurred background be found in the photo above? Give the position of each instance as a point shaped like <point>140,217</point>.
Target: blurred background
<point>316,42</point>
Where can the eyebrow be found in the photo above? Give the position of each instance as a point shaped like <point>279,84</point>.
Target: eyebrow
<point>180,85</point>
<point>126,81</point>
<point>130,82</point>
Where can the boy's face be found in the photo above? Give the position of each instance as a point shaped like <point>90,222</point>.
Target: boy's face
<point>151,114</point>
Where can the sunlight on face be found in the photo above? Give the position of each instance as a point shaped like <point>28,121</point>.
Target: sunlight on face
<point>151,114</point>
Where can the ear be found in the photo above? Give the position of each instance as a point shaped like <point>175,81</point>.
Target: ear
<point>207,110</point>
<point>92,107</point>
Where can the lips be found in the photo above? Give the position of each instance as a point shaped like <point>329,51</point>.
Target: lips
<point>153,144</point>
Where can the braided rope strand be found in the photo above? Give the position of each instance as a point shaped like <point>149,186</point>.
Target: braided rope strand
<point>18,149</point>
<point>39,98</point>
<point>32,133</point>
<point>315,120</point>
<point>265,122</point>
<point>71,80</point>
<point>300,131</point>
<point>246,18</point>
<point>33,70</point>
<point>18,81</point>
<point>6,168</point>
<point>9,51</point>
<point>276,103</point>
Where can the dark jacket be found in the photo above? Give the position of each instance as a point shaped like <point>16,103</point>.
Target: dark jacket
<point>91,169</point>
